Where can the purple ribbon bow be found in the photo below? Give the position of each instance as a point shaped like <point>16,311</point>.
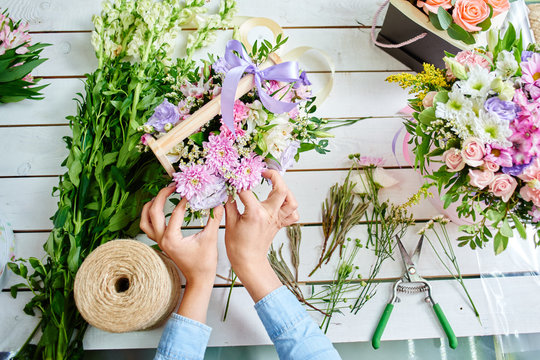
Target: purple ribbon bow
<point>286,72</point>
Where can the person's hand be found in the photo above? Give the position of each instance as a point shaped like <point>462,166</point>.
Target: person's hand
<point>248,236</point>
<point>196,255</point>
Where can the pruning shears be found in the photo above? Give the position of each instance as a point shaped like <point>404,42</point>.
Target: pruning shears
<point>411,283</point>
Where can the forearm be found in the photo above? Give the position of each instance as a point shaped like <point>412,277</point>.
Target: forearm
<point>194,304</point>
<point>258,278</point>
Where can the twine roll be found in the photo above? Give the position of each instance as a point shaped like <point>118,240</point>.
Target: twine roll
<point>125,285</point>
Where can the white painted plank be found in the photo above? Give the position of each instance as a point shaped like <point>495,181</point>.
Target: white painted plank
<point>499,303</point>
<point>354,95</point>
<point>61,15</point>
<point>71,54</point>
<point>40,150</point>
<point>28,204</point>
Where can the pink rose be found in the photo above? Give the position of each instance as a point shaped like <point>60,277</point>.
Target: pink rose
<point>473,152</point>
<point>428,99</point>
<point>480,178</point>
<point>453,160</point>
<point>503,186</point>
<point>499,6</point>
<point>532,172</point>
<point>469,13</point>
<point>491,166</point>
<point>530,194</point>
<point>434,5</point>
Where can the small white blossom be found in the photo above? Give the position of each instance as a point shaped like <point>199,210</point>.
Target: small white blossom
<point>506,64</point>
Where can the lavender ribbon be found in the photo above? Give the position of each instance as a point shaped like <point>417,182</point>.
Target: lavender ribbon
<point>286,72</point>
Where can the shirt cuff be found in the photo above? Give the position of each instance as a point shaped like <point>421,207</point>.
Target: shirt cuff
<point>183,338</point>
<point>279,311</point>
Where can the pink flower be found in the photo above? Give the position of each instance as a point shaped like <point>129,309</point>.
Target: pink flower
<point>428,99</point>
<point>369,161</point>
<point>221,156</point>
<point>532,172</point>
<point>192,179</point>
<point>469,58</point>
<point>248,173</point>
<point>480,178</point>
<point>498,155</point>
<point>473,152</point>
<point>434,5</point>
<point>499,6</point>
<point>503,186</point>
<point>531,70</point>
<point>535,213</point>
<point>491,166</point>
<point>145,138</point>
<point>530,194</point>
<point>453,160</point>
<point>241,111</point>
<point>469,13</point>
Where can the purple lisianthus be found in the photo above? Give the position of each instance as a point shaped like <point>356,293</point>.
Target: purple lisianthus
<point>165,113</point>
<point>221,66</point>
<point>516,169</point>
<point>505,110</point>
<point>212,195</point>
<point>304,81</point>
<point>525,55</point>
<point>286,160</point>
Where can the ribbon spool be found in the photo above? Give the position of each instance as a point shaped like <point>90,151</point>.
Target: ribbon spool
<point>125,285</point>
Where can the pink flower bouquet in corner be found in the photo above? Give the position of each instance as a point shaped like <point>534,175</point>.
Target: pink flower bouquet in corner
<point>267,128</point>
<point>480,120</point>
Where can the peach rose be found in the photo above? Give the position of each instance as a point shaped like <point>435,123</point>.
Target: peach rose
<point>491,166</point>
<point>473,152</point>
<point>480,178</point>
<point>453,160</point>
<point>503,186</point>
<point>532,172</point>
<point>530,194</point>
<point>499,6</point>
<point>434,5</point>
<point>469,13</point>
<point>428,99</point>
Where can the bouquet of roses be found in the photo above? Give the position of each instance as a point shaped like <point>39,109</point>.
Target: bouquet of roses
<point>462,18</point>
<point>17,60</point>
<point>266,128</point>
<point>482,115</point>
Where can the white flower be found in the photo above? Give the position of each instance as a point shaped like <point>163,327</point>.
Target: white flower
<point>464,124</point>
<point>479,82</point>
<point>278,138</point>
<point>506,64</point>
<point>491,129</point>
<point>257,116</point>
<point>455,106</point>
<point>381,177</point>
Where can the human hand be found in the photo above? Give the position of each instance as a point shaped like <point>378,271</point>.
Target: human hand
<point>196,255</point>
<point>248,236</point>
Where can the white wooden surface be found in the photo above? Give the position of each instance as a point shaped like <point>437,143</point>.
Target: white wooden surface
<point>32,151</point>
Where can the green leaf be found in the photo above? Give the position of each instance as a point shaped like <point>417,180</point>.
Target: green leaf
<point>58,303</point>
<point>306,147</point>
<point>458,33</point>
<point>119,221</point>
<point>519,227</point>
<point>14,289</point>
<point>61,216</point>
<point>445,19</point>
<point>441,97</point>
<point>506,230</point>
<point>427,116</point>
<point>118,177</point>
<point>15,268</point>
<point>18,72</point>
<point>500,242</point>
<point>509,37</point>
<point>197,138</point>
<point>434,20</point>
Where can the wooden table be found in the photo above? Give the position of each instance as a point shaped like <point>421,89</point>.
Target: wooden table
<point>32,150</point>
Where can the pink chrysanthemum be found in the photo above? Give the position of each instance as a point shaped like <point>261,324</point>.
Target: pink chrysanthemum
<point>221,155</point>
<point>369,160</point>
<point>192,179</point>
<point>241,111</point>
<point>248,173</point>
<point>498,155</point>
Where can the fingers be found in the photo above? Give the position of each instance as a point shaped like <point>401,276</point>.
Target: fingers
<point>156,212</point>
<point>145,224</point>
<point>177,216</point>
<point>291,219</point>
<point>279,189</point>
<point>289,205</point>
<point>248,199</point>
<point>212,226</point>
<point>231,212</point>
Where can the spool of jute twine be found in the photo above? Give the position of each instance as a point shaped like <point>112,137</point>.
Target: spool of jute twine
<point>125,285</point>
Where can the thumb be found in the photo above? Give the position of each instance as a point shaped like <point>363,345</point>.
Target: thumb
<point>231,212</point>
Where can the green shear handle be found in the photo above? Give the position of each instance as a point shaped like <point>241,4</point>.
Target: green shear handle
<point>376,340</point>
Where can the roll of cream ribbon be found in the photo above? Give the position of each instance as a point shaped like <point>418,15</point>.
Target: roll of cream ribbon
<point>125,285</point>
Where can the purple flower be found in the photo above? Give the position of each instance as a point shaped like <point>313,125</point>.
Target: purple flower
<point>212,195</point>
<point>286,160</point>
<point>505,110</point>
<point>516,169</point>
<point>221,66</point>
<point>304,81</point>
<point>526,55</point>
<point>165,113</point>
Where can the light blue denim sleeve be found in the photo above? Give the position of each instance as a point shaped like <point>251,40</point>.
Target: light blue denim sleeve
<point>291,329</point>
<point>183,339</point>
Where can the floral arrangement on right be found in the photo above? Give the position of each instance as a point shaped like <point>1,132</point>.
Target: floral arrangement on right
<point>475,134</point>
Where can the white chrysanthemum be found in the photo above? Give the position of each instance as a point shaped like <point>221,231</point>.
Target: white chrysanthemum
<point>506,64</point>
<point>464,124</point>
<point>479,82</point>
<point>491,129</point>
<point>457,103</point>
